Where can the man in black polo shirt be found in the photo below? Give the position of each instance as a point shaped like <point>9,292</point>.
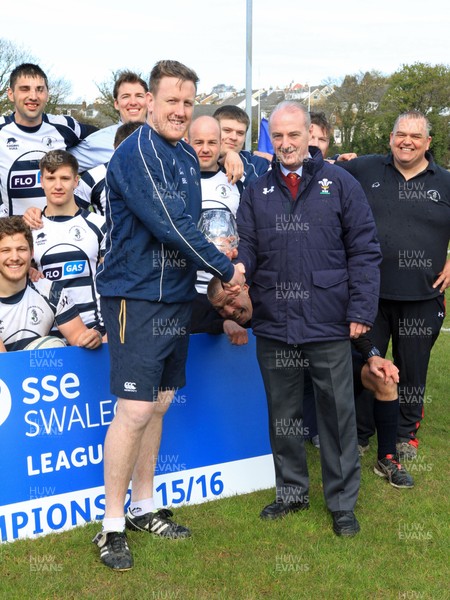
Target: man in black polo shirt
<point>410,200</point>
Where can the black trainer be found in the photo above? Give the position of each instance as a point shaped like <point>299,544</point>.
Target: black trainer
<point>345,523</point>
<point>114,551</point>
<point>158,523</point>
<point>394,472</point>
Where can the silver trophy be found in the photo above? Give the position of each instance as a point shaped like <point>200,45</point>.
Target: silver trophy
<point>218,225</point>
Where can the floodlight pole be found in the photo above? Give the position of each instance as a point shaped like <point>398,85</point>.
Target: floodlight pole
<point>248,76</point>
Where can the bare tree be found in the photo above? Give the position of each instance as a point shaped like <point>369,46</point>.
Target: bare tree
<point>10,56</point>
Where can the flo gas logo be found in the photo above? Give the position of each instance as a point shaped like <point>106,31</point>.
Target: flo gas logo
<point>5,402</point>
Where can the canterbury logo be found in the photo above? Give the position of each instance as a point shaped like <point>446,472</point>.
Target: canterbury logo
<point>129,386</point>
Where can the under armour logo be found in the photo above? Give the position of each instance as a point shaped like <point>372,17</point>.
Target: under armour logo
<point>268,191</point>
<point>440,314</point>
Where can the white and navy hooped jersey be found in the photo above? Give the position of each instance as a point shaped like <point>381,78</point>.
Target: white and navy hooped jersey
<point>90,191</point>
<point>21,149</point>
<point>217,192</point>
<point>67,250</point>
<point>31,313</point>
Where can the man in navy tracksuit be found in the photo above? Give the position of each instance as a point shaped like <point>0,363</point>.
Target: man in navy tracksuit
<point>147,284</point>
<point>309,246</point>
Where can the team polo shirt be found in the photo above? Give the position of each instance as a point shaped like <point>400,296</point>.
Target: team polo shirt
<point>413,223</point>
<point>32,312</point>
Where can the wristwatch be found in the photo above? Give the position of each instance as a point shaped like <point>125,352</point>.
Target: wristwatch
<point>373,352</point>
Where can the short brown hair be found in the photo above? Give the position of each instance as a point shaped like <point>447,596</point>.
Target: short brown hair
<point>170,68</point>
<point>128,77</point>
<point>26,70</point>
<point>230,111</point>
<point>13,226</point>
<point>320,119</point>
<point>58,158</point>
<point>125,130</point>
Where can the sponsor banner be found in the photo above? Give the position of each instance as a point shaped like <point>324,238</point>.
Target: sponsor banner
<point>47,513</point>
<point>55,408</point>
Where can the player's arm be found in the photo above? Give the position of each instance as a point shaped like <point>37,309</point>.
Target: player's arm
<point>33,217</point>
<point>68,320</point>
<point>94,149</point>
<point>265,155</point>
<point>2,346</point>
<point>77,334</point>
<point>165,216</point>
<point>383,369</point>
<point>233,165</point>
<point>237,335</point>
<point>443,279</point>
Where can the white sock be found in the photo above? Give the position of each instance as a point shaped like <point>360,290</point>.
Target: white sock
<point>114,524</point>
<point>142,507</point>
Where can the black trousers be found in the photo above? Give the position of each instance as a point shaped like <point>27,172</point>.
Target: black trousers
<point>282,368</point>
<point>414,328</point>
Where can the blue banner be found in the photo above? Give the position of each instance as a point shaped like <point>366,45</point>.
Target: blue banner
<point>55,407</point>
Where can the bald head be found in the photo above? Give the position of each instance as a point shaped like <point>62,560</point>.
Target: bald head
<point>237,308</point>
<point>204,137</point>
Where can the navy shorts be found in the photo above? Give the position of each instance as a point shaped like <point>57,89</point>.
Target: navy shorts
<point>148,344</point>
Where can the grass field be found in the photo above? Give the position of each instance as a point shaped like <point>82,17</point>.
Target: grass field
<point>402,550</point>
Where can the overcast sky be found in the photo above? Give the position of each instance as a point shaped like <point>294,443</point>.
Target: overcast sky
<point>312,42</point>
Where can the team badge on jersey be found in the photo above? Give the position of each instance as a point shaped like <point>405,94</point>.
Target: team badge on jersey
<point>77,233</point>
<point>49,142</point>
<point>223,190</point>
<point>34,316</point>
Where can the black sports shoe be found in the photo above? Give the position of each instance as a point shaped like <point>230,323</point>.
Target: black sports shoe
<point>393,471</point>
<point>280,509</point>
<point>158,523</point>
<point>345,523</point>
<point>114,551</point>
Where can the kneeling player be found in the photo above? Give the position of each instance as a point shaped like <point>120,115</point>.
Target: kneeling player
<point>68,240</point>
<point>29,310</point>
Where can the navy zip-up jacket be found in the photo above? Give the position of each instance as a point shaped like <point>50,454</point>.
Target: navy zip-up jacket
<point>313,263</point>
<point>153,203</point>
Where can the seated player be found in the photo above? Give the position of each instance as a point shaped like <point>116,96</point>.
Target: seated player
<point>370,371</point>
<point>69,244</point>
<point>29,310</point>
